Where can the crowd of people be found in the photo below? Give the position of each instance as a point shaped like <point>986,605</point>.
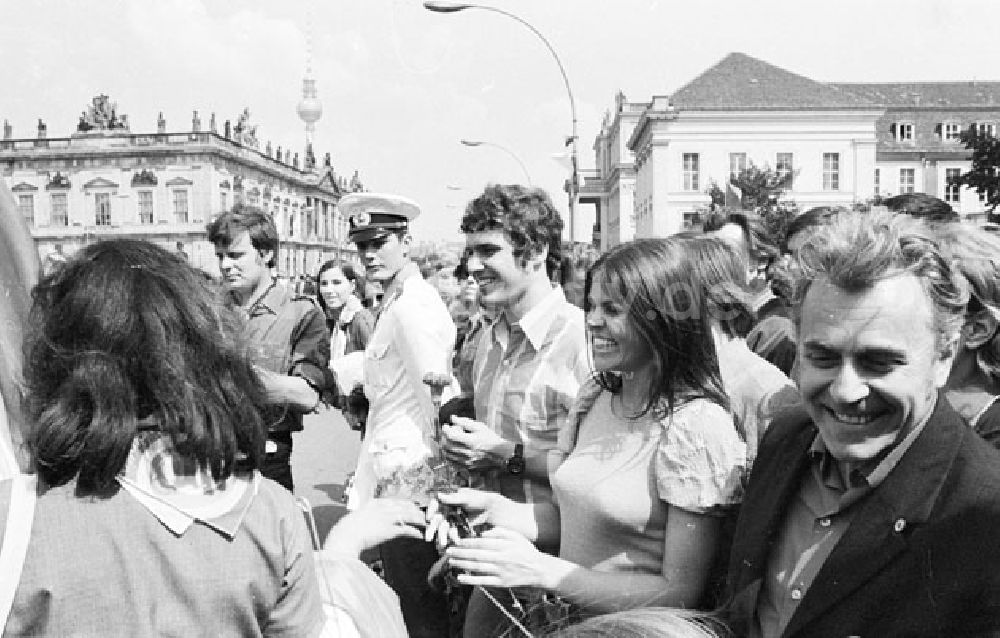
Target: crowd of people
<point>717,433</point>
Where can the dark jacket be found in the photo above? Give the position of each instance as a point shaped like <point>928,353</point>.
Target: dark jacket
<point>287,334</point>
<point>921,556</point>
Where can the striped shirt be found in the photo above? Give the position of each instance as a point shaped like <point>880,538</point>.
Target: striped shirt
<point>526,377</point>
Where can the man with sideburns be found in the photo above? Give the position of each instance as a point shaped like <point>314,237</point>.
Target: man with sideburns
<point>877,514</point>
<point>286,332</point>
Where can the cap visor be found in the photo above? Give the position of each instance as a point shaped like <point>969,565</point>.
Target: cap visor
<point>367,234</point>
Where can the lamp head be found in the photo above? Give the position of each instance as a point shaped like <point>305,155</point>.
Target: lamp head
<point>439,6</point>
<point>471,143</point>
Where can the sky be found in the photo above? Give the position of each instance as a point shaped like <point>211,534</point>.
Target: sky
<point>401,86</point>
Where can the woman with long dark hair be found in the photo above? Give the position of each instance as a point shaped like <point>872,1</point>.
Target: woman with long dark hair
<point>150,515</point>
<point>648,464</point>
<point>340,291</point>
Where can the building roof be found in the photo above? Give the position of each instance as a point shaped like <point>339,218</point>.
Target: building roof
<point>926,94</point>
<point>741,82</point>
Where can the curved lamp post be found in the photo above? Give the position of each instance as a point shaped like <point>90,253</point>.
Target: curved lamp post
<point>475,143</point>
<point>573,185</point>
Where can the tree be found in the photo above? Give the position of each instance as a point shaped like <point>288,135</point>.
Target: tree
<point>760,187</point>
<point>760,192</point>
<point>717,195</point>
<point>983,176</point>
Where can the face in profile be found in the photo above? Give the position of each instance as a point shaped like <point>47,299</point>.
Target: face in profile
<point>242,266</point>
<point>733,235</point>
<point>469,290</point>
<point>869,364</point>
<point>615,343</point>
<point>335,287</point>
<point>446,283</point>
<point>384,257</point>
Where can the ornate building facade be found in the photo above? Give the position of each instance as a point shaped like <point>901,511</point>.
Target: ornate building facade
<point>843,144</point>
<point>105,181</point>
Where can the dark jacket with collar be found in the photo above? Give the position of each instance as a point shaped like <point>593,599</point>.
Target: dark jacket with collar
<point>286,333</point>
<point>920,558</point>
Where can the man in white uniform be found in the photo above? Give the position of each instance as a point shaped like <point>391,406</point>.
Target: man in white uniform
<point>414,336</point>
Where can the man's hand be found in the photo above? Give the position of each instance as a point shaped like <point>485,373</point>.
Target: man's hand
<point>379,520</point>
<point>473,444</point>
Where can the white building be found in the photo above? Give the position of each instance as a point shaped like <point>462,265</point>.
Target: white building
<point>843,143</point>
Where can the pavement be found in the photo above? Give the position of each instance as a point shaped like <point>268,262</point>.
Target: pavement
<point>322,456</point>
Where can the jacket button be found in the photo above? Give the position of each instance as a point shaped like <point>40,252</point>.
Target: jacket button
<point>899,525</point>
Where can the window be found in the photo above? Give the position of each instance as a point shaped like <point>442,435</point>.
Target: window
<point>878,181</point>
<point>145,209</point>
<point>907,180</point>
<point>692,221</point>
<point>951,132</point>
<point>951,189</point>
<point>831,171</point>
<point>26,206</point>
<point>985,128</point>
<point>691,171</point>
<point>60,210</point>
<point>223,203</point>
<point>737,164</point>
<point>903,131</point>
<point>180,206</point>
<point>102,209</point>
<point>784,167</point>
<point>291,222</point>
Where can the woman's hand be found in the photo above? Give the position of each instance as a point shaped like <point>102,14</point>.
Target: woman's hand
<point>379,520</point>
<point>480,508</point>
<point>503,558</point>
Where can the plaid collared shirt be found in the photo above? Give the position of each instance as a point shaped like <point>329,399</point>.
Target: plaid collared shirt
<point>526,377</point>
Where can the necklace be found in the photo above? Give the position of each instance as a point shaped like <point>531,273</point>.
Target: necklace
<point>627,413</point>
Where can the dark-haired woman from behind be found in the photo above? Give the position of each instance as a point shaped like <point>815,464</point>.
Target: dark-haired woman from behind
<point>151,516</point>
<point>649,462</point>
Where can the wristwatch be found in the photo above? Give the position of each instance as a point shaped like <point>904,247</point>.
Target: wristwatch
<point>515,464</point>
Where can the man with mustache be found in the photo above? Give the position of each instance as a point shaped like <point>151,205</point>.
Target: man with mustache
<point>876,515</point>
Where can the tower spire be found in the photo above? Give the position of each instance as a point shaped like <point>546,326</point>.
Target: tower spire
<point>310,109</point>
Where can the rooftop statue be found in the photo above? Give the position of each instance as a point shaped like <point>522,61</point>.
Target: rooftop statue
<point>102,115</point>
<point>245,133</point>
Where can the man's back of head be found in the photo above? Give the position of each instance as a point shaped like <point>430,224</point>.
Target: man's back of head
<point>922,206</point>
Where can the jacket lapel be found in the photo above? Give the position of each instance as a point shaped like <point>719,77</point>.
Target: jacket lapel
<point>881,528</point>
<point>773,483</point>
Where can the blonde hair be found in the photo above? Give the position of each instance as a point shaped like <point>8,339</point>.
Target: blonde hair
<point>647,622</point>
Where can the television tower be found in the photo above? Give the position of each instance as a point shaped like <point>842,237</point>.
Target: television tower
<point>310,109</point>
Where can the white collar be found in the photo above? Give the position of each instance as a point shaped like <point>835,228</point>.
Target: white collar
<point>178,492</point>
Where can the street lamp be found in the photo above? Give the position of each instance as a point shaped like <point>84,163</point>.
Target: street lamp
<point>573,186</point>
<point>474,143</point>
